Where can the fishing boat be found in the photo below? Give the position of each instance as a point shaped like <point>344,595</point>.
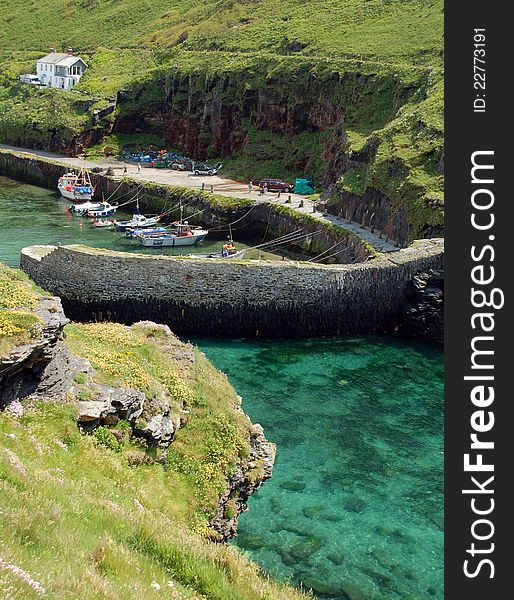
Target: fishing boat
<point>184,235</point>
<point>102,223</point>
<point>83,207</point>
<point>148,231</point>
<point>76,186</point>
<point>103,210</point>
<point>137,221</point>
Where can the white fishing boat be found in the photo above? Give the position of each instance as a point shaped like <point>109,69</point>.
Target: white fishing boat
<point>82,208</point>
<point>150,230</point>
<point>76,186</point>
<point>137,221</point>
<point>184,235</point>
<point>104,210</point>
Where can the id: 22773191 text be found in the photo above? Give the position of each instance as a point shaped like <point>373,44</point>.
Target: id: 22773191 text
<point>479,70</point>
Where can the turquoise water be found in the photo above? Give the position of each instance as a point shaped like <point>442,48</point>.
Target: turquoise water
<point>31,215</point>
<point>355,505</point>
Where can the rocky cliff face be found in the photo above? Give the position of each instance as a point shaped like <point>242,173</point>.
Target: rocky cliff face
<point>298,116</point>
<point>250,474</point>
<point>36,367</point>
<point>218,115</point>
<point>211,116</point>
<point>423,314</point>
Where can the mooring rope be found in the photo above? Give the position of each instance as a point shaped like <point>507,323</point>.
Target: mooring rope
<point>327,250</point>
<point>286,239</point>
<point>221,227</point>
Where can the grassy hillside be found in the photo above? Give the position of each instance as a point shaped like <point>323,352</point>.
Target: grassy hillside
<point>138,47</point>
<point>392,30</point>
<point>86,521</point>
<point>100,515</point>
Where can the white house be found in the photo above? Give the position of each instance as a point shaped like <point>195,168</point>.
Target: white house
<point>60,70</point>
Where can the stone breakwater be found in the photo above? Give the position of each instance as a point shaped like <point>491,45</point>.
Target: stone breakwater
<point>216,297</point>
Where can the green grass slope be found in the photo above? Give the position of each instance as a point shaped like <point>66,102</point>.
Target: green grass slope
<point>101,516</point>
<point>83,521</point>
<point>391,30</point>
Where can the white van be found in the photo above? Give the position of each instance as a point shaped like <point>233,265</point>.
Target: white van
<point>32,79</point>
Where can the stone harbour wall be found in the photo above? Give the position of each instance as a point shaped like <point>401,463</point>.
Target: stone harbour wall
<point>219,297</point>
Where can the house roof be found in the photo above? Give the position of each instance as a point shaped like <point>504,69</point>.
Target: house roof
<point>53,57</point>
<point>61,59</point>
<point>70,60</point>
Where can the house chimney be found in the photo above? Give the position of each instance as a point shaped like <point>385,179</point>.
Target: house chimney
<point>70,51</point>
<point>52,50</point>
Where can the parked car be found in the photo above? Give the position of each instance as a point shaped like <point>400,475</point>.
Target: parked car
<point>182,163</point>
<point>203,169</point>
<point>32,79</point>
<point>276,185</point>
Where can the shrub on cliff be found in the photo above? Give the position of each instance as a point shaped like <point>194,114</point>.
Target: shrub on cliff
<point>18,298</point>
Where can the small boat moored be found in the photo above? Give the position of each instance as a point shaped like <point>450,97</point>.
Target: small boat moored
<point>80,209</point>
<point>137,221</point>
<point>184,235</point>
<point>102,223</point>
<point>228,251</point>
<point>147,231</point>
<point>103,210</point>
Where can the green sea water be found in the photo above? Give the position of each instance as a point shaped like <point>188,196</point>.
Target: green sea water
<point>355,505</point>
<point>30,215</point>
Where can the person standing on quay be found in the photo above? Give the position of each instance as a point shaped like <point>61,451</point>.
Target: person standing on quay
<point>138,168</point>
<point>250,186</point>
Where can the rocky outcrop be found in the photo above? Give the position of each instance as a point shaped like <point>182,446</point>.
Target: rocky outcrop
<point>111,405</point>
<point>45,368</point>
<point>250,474</point>
<point>36,367</point>
<point>159,430</point>
<point>423,314</point>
